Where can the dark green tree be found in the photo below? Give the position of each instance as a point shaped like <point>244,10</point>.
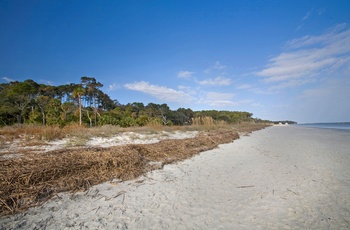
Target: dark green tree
<point>91,89</point>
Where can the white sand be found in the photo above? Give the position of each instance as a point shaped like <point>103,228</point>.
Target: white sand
<point>140,138</point>
<point>12,149</point>
<point>278,178</point>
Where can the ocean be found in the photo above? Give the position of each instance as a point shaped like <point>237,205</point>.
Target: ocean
<point>334,125</point>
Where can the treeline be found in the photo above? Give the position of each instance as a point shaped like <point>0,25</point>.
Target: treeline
<point>29,102</point>
<point>284,122</point>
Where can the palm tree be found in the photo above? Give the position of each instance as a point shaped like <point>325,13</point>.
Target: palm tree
<point>78,92</point>
<point>92,87</point>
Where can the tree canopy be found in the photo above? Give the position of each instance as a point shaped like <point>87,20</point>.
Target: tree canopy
<point>84,103</point>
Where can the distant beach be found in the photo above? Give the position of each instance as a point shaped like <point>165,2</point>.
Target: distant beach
<point>282,177</point>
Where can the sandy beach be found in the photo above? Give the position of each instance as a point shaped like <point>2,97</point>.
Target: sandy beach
<point>282,177</point>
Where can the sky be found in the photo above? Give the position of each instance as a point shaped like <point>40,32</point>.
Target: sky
<point>280,60</point>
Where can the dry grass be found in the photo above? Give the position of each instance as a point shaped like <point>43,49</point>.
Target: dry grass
<point>29,133</point>
<point>33,178</point>
<point>36,134</point>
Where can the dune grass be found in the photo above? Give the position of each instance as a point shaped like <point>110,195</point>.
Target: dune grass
<point>31,179</point>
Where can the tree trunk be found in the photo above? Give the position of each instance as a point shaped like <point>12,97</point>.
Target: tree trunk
<point>43,114</point>
<point>19,119</point>
<point>44,117</point>
<point>95,111</point>
<point>87,113</point>
<point>80,110</point>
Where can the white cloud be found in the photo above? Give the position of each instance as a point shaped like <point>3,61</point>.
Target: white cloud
<point>244,86</point>
<point>255,104</point>
<point>47,82</point>
<point>185,74</point>
<point>334,35</point>
<point>216,66</point>
<point>307,15</point>
<point>220,96</point>
<point>280,86</point>
<point>218,81</point>
<point>226,100</point>
<point>7,79</point>
<point>160,92</point>
<point>288,84</point>
<point>219,99</point>
<point>187,89</point>
<point>309,57</point>
<point>194,96</point>
<point>112,87</point>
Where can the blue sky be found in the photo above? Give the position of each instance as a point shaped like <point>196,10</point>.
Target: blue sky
<point>275,59</point>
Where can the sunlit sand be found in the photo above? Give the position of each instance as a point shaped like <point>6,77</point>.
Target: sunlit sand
<point>282,177</point>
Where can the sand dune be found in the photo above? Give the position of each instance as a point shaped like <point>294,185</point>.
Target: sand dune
<point>281,177</point>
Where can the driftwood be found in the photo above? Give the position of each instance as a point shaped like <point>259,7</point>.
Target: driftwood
<point>246,186</point>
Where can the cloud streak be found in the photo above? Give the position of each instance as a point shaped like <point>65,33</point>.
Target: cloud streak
<point>309,57</point>
<point>244,86</point>
<point>113,87</point>
<point>219,99</point>
<point>7,79</point>
<point>185,74</point>
<point>160,92</point>
<point>218,81</point>
<point>216,66</point>
<point>307,15</point>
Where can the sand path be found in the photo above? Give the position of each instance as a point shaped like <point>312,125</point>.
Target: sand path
<point>277,178</point>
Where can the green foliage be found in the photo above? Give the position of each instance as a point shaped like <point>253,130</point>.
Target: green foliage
<point>108,119</point>
<point>85,104</point>
<point>127,122</point>
<point>142,120</point>
<point>227,116</point>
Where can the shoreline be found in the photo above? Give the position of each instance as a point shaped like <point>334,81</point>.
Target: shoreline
<point>276,178</point>
<point>33,178</point>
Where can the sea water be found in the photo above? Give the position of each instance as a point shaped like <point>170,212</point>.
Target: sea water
<point>334,125</point>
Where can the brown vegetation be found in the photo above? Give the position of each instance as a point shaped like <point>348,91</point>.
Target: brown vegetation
<point>31,179</point>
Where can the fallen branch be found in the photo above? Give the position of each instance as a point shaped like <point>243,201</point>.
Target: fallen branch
<point>296,193</point>
<point>246,186</point>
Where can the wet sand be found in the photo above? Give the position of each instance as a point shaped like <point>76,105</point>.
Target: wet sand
<point>282,177</point>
